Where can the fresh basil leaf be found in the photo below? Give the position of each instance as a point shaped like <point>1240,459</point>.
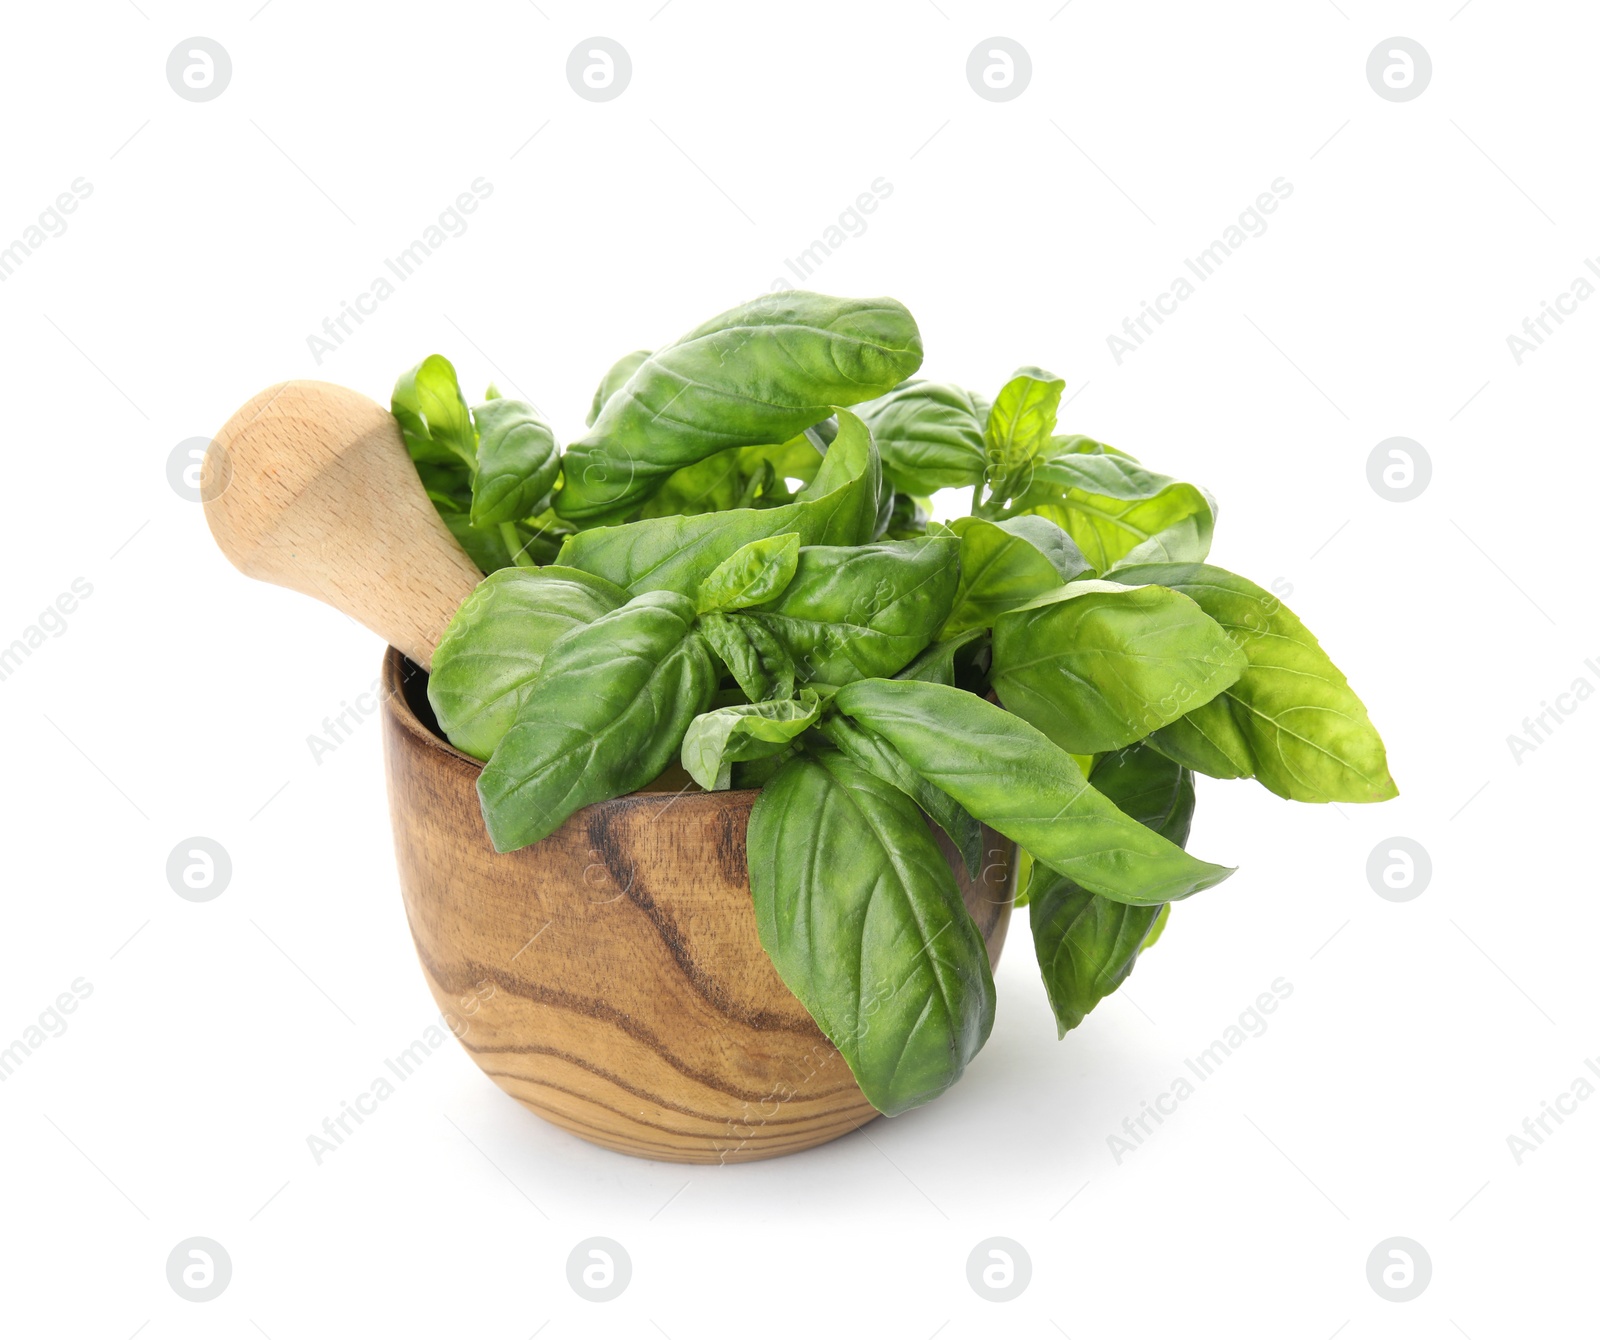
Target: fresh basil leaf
<point>615,379</point>
<point>1096,665</point>
<point>717,740</point>
<point>606,715</point>
<point>1110,504</point>
<point>1087,944</point>
<point>1009,776</point>
<point>760,373</point>
<point>490,547</point>
<point>1290,719</point>
<point>1020,426</point>
<point>930,436</point>
<point>490,654</point>
<point>861,917</point>
<point>839,506</point>
<point>518,461</point>
<point>758,662</point>
<point>1007,563</point>
<point>855,612</point>
<point>433,417</point>
<point>754,573</point>
<point>869,750</point>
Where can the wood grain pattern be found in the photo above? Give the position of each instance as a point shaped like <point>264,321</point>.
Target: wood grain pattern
<point>309,486</point>
<point>610,977</point>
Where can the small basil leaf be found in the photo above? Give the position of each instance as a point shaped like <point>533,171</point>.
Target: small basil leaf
<point>1007,563</point>
<point>1019,429</point>
<point>490,654</point>
<point>750,575</point>
<point>1009,776</point>
<point>1097,665</point>
<point>717,740</point>
<point>861,917</point>
<point>937,664</point>
<point>855,612</point>
<point>1291,715</point>
<point>433,417</point>
<point>930,436</point>
<point>1110,504</point>
<point>871,751</point>
<point>760,373</point>
<point>518,462</point>
<point>757,661</point>
<point>606,715</point>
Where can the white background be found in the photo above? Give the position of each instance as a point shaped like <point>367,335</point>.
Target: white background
<point>179,699</point>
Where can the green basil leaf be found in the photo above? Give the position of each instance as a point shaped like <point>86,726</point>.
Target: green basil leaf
<point>760,373</point>
<point>1009,776</point>
<point>717,740</point>
<point>758,662</point>
<point>615,379</point>
<point>930,436</point>
<point>1020,426</point>
<point>871,751</point>
<point>1007,563</point>
<point>489,546</point>
<point>1291,719</point>
<point>753,573</point>
<point>1087,944</point>
<point>490,654</point>
<point>675,553</point>
<point>606,715</point>
<point>1110,504</point>
<point>518,461</point>
<point>434,419</point>
<point>856,612</point>
<point>1096,665</point>
<point>861,917</point>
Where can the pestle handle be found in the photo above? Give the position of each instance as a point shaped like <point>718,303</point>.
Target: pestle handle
<point>309,486</point>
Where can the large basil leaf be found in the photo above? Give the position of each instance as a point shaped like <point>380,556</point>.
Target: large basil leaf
<point>871,751</point>
<point>856,612</point>
<point>1096,665</point>
<point>1291,719</point>
<point>434,419</point>
<point>1087,944</point>
<point>1110,504</point>
<point>930,436</point>
<point>759,373</point>
<point>717,740</point>
<point>1009,776</point>
<point>1020,426</point>
<point>750,575</point>
<point>517,462</point>
<point>863,921</point>
<point>615,379</point>
<point>490,654</point>
<point>1007,563</point>
<point>606,715</point>
<point>758,662</point>
<point>675,553</point>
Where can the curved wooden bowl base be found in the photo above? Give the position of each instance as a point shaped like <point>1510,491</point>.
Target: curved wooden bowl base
<point>610,978</point>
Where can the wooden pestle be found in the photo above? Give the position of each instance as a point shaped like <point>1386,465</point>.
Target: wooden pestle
<point>309,486</point>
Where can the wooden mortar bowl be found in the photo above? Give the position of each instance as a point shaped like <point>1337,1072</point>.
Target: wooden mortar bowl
<point>610,978</point>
